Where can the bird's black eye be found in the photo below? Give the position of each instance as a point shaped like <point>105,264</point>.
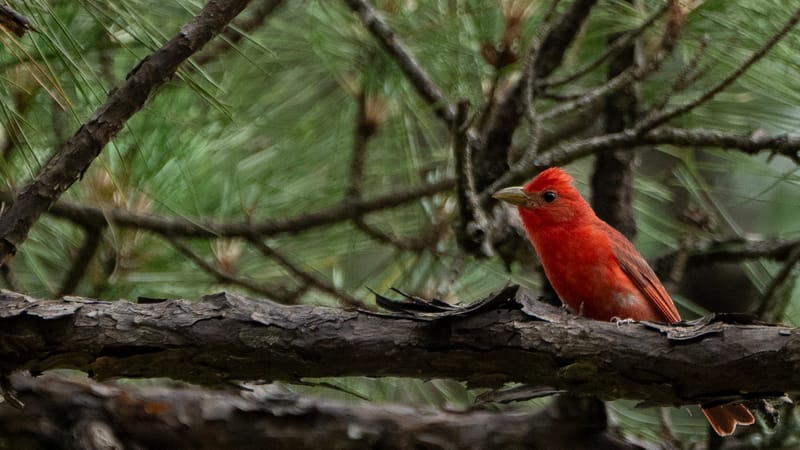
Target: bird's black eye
<point>549,196</point>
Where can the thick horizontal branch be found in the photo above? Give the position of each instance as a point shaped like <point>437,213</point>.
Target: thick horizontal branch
<point>508,337</point>
<point>263,417</point>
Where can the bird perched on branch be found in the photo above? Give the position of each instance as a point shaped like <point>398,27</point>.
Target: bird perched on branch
<point>596,270</point>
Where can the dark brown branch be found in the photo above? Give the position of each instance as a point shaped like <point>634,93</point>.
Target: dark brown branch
<point>506,338</point>
<point>752,143</point>
<point>265,417</point>
<point>203,228</point>
<point>68,164</point>
<point>414,71</point>
<point>363,131</point>
<point>14,21</point>
<point>560,38</point>
<point>8,277</point>
<point>91,243</point>
<point>369,116</point>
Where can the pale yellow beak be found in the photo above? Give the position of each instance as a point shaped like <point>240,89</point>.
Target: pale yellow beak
<point>514,195</point>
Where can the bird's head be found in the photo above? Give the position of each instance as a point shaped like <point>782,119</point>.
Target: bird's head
<point>548,199</point>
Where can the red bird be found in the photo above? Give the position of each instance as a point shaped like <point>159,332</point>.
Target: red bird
<point>594,268</point>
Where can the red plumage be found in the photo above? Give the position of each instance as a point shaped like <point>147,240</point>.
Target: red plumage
<point>594,268</point>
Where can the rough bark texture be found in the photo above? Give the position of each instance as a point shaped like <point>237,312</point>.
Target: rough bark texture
<point>84,414</point>
<point>66,166</point>
<point>508,337</point>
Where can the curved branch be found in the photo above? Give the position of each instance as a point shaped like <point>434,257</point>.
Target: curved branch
<point>507,337</point>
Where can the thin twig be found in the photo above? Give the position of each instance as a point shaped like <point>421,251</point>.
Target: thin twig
<point>67,165</point>
<point>278,293</point>
<point>232,35</point>
<point>91,243</point>
<point>307,277</point>
<point>772,307</point>
<point>687,75</point>
<point>619,44</point>
<point>663,117</point>
<point>530,96</point>
<point>374,21</point>
<point>478,213</point>
<point>621,81</point>
<point>426,241</point>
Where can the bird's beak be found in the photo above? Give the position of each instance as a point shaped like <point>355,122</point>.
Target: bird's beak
<point>514,195</point>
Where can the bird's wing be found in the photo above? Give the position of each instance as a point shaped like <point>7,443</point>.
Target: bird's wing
<point>642,275</point>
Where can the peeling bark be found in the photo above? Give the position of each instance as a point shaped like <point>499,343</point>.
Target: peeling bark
<point>507,337</point>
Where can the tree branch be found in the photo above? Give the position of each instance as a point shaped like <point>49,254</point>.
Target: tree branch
<point>507,337</point>
<point>265,417</point>
<point>93,237</point>
<point>66,166</point>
